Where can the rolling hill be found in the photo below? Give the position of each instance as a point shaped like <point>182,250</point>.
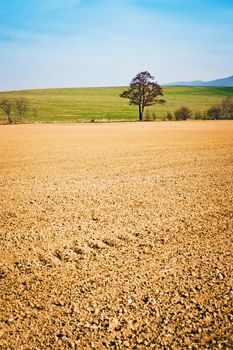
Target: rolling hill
<point>77,104</point>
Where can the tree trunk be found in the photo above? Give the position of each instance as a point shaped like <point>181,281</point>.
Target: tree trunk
<point>140,113</point>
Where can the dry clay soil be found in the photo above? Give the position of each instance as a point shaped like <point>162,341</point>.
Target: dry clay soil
<point>116,236</point>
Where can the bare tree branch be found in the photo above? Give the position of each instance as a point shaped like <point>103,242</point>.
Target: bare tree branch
<point>21,107</point>
<point>6,105</point>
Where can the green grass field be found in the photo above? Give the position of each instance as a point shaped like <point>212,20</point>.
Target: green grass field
<point>75,104</point>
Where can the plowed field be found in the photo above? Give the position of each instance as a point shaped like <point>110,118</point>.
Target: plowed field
<point>116,236</point>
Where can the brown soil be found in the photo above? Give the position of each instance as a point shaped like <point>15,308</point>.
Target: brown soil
<point>116,236</point>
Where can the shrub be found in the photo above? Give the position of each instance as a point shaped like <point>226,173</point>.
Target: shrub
<point>183,113</point>
<point>169,116</point>
<point>227,107</point>
<point>213,113</point>
<point>149,115</point>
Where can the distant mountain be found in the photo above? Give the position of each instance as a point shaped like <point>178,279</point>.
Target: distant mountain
<point>218,82</point>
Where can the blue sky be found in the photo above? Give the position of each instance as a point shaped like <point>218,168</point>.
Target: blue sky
<point>75,43</point>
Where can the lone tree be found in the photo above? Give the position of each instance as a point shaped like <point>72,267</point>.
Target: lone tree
<point>143,92</point>
<point>6,105</point>
<point>21,107</point>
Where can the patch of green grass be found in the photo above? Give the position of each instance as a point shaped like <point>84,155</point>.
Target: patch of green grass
<point>76,104</point>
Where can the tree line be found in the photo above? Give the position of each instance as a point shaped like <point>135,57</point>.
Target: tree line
<point>222,111</point>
